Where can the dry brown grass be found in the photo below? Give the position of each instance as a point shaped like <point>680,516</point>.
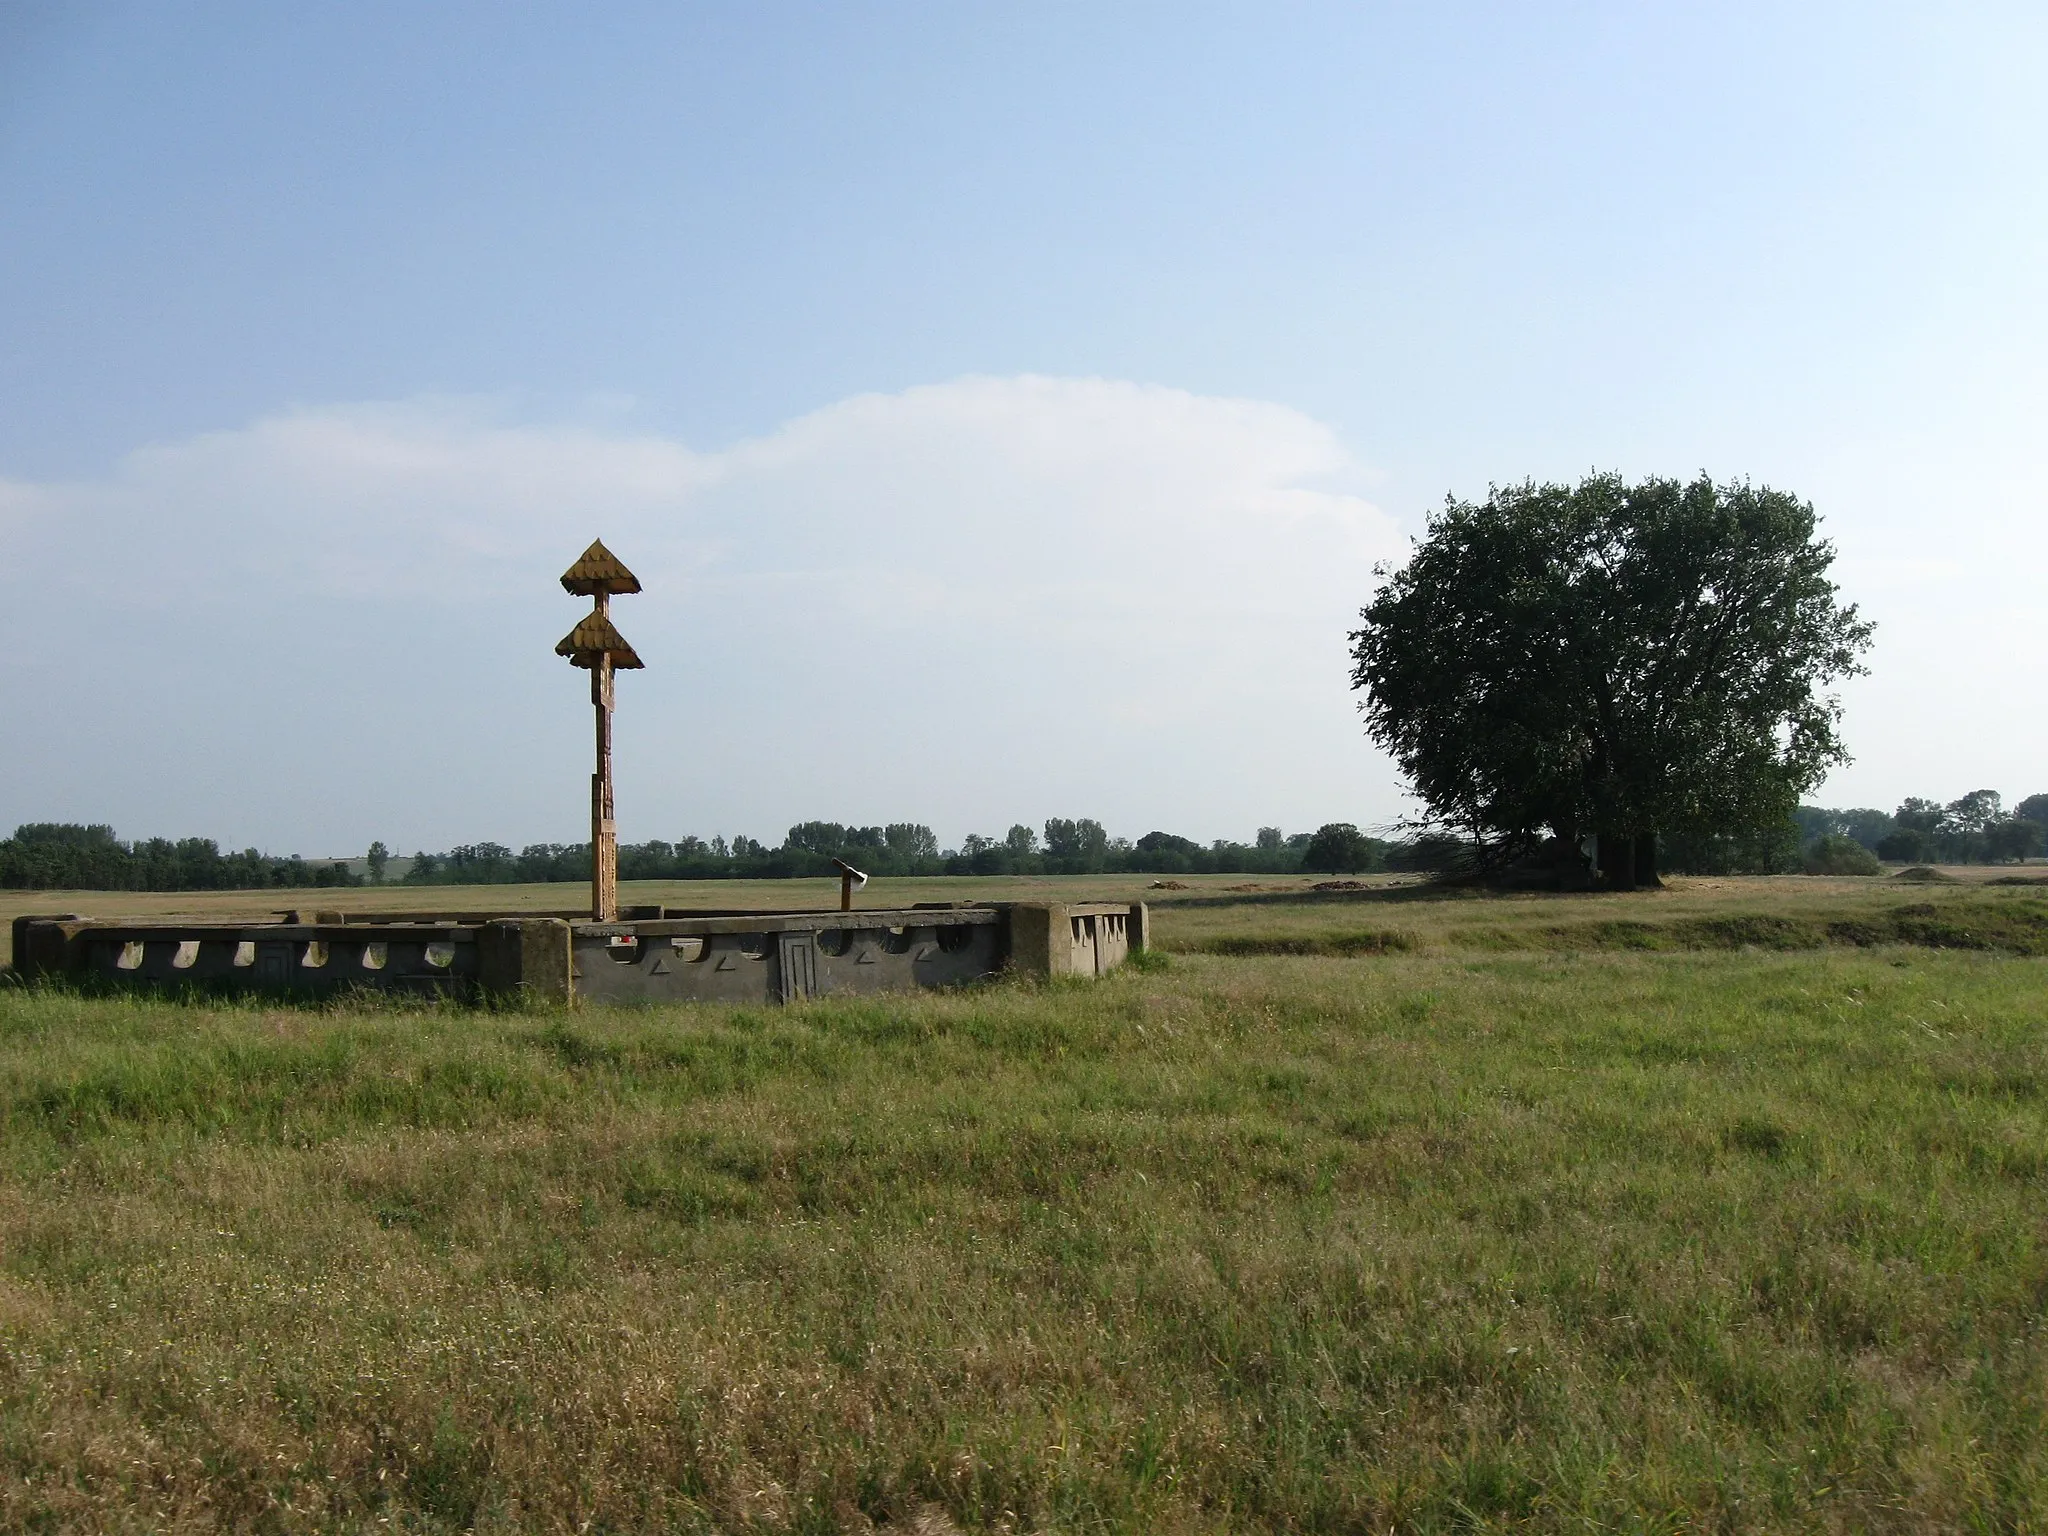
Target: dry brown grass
<point>1784,911</point>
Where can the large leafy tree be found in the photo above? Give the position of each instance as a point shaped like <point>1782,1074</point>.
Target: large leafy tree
<point>1339,848</point>
<point>1613,658</point>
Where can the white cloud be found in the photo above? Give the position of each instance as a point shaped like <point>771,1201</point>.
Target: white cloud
<point>969,602</point>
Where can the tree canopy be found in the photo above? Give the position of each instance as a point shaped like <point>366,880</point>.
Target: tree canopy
<point>1339,848</point>
<point>1610,658</point>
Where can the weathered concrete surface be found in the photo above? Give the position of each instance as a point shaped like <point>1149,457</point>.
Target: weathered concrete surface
<point>652,956</point>
<point>787,957</point>
<point>525,957</point>
<point>439,958</point>
<point>1073,939</point>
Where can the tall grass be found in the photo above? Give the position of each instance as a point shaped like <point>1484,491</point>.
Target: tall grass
<point>1787,914</point>
<point>1442,1241</point>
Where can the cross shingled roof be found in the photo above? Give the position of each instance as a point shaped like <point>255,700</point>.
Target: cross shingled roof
<point>590,641</point>
<point>598,570</point>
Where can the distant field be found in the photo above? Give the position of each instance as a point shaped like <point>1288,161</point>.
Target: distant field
<point>1723,1207</point>
<point>1783,912</point>
<point>1246,911</point>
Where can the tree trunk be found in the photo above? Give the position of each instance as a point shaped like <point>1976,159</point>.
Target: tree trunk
<point>1617,856</point>
<point>1646,860</point>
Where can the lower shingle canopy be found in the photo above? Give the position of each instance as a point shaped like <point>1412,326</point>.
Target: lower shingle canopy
<point>595,638</point>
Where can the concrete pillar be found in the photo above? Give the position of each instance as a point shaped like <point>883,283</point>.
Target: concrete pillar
<point>525,958</point>
<point>1041,939</point>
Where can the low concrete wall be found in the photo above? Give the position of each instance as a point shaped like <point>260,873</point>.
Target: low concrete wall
<point>654,957</point>
<point>438,958</point>
<point>1074,939</point>
<point>785,957</point>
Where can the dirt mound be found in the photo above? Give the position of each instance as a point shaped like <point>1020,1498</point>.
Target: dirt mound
<point>1166,885</point>
<point>1921,874</point>
<point>1340,885</point>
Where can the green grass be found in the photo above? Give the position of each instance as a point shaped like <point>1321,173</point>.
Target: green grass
<point>1477,1234</point>
<point>2013,926</point>
<point>2007,915</point>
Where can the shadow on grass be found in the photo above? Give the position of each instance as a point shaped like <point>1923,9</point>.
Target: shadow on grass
<point>1388,895</point>
<point>2014,927</point>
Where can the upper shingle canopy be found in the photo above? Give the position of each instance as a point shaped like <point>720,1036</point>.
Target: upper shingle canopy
<point>594,639</point>
<point>598,570</point>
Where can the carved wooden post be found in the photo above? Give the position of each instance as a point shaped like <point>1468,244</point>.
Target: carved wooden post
<point>596,644</point>
<point>604,828</point>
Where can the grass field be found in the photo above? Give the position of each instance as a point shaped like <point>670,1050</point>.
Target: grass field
<point>1724,1207</point>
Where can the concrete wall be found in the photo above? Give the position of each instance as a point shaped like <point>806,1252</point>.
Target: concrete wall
<point>753,957</point>
<point>1074,939</point>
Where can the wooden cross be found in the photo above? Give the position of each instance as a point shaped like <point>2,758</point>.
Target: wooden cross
<point>595,644</point>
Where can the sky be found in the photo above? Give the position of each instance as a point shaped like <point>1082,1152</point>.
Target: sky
<point>1005,406</point>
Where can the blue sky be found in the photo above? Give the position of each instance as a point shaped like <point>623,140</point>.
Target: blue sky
<point>1010,401</point>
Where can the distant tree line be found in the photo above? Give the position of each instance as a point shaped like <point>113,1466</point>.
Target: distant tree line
<point>1063,847</point>
<point>45,856</point>
<point>57,856</point>
<point>51,856</point>
<point>1975,829</point>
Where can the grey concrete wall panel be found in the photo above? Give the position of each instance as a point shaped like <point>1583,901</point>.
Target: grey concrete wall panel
<point>272,957</point>
<point>796,963</point>
<point>663,956</point>
<point>1074,939</point>
<point>786,957</point>
<point>527,958</point>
